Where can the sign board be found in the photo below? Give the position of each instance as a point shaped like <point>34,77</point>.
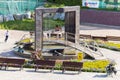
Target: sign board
<point>80,56</point>
<point>90,3</point>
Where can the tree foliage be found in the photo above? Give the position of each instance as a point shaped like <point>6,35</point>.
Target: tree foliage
<point>67,2</point>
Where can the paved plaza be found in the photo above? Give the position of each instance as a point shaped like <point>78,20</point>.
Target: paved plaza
<point>29,74</point>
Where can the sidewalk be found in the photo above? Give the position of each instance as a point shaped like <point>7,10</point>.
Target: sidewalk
<point>100,30</point>
<point>29,74</point>
<point>6,47</point>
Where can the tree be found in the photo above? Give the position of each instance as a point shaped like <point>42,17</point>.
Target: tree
<point>115,4</point>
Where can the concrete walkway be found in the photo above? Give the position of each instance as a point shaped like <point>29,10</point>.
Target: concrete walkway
<point>99,30</point>
<point>7,47</point>
<point>29,74</point>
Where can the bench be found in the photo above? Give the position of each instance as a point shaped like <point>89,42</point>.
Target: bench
<point>44,64</point>
<point>72,66</point>
<point>113,38</point>
<point>85,36</point>
<point>2,62</point>
<point>99,37</point>
<point>57,34</point>
<point>11,62</point>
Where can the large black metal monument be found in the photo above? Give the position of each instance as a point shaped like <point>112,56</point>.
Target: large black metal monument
<point>72,23</point>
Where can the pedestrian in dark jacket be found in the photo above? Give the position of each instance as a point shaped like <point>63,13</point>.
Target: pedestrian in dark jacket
<point>6,35</point>
<point>110,69</point>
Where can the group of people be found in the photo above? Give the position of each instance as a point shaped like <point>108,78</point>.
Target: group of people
<point>57,31</point>
<point>57,28</point>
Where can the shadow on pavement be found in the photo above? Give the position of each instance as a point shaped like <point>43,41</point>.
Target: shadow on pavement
<point>39,71</point>
<point>100,76</point>
<point>48,71</point>
<point>8,54</point>
<point>67,73</point>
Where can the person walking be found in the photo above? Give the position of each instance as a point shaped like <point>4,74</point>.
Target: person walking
<point>6,35</point>
<point>111,69</point>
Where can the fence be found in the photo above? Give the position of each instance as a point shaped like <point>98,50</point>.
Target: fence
<point>18,6</point>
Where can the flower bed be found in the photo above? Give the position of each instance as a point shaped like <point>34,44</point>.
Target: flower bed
<point>95,66</point>
<point>88,66</point>
<point>109,45</point>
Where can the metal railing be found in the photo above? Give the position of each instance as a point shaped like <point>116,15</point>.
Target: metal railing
<point>84,45</point>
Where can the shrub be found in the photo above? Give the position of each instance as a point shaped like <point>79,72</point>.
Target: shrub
<point>26,24</point>
<point>29,24</point>
<point>96,66</point>
<point>109,45</point>
<point>88,66</point>
<point>79,3</point>
<point>52,5</point>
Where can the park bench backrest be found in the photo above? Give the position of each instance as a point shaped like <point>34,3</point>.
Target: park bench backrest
<point>11,62</point>
<point>2,60</point>
<point>85,36</point>
<point>113,38</point>
<point>104,38</point>
<point>45,62</point>
<point>15,61</point>
<point>72,64</point>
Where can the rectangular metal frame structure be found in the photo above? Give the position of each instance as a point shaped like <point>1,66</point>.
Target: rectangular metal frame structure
<point>72,23</point>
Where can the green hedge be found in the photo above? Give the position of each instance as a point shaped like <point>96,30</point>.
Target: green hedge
<point>29,24</point>
<point>67,2</point>
<point>77,3</point>
<point>26,24</point>
<point>109,45</point>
